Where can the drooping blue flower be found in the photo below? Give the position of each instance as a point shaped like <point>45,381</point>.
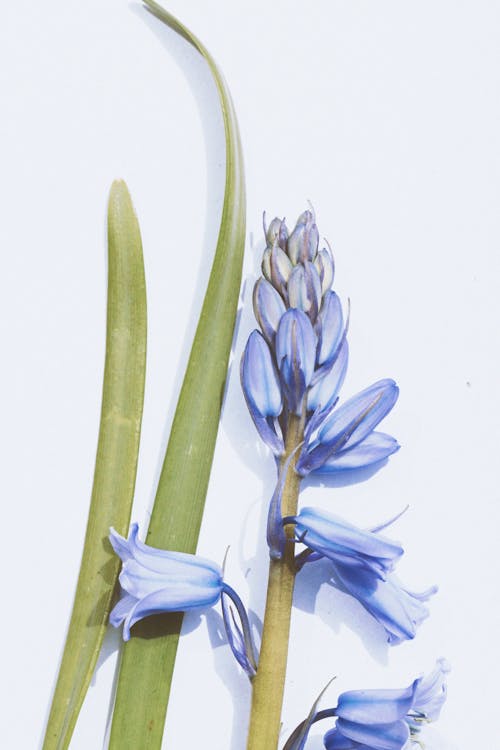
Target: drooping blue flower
<point>378,719</point>
<point>363,564</point>
<point>155,580</point>
<point>342,542</point>
<point>387,719</point>
<point>331,436</point>
<point>397,609</point>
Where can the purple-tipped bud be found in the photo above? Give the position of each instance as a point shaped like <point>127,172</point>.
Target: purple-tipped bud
<point>262,391</point>
<point>276,268</point>
<point>303,241</point>
<point>268,308</point>
<point>326,269</point>
<point>304,289</point>
<point>295,354</point>
<point>277,233</point>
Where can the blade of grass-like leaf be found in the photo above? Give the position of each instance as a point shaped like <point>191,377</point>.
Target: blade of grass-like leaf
<point>148,658</point>
<point>115,468</point>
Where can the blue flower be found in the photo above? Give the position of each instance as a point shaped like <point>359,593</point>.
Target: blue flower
<point>372,720</point>
<point>387,719</point>
<point>345,438</point>
<point>155,580</point>
<point>344,543</point>
<point>303,356</point>
<point>378,719</point>
<point>363,562</point>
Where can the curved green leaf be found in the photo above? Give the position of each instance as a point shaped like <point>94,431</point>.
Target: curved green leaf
<point>115,467</point>
<point>148,658</point>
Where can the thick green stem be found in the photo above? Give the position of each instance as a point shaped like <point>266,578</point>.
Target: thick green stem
<point>269,682</point>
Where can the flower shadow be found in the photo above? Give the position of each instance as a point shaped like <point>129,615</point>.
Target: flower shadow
<point>337,609</point>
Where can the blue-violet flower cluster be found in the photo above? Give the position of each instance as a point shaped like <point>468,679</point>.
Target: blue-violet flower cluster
<point>297,362</point>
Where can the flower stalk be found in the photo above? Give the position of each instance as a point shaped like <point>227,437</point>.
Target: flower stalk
<point>269,682</point>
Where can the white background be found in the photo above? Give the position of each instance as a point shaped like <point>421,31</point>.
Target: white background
<point>385,114</point>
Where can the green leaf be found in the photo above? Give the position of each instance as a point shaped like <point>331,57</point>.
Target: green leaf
<point>148,658</point>
<point>115,467</point>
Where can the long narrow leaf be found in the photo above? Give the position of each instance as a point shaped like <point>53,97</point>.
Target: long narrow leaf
<point>115,468</point>
<point>148,658</point>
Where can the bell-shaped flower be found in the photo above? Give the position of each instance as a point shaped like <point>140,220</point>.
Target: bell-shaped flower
<point>342,542</point>
<point>372,720</point>
<point>268,307</point>
<point>344,429</point>
<point>397,609</point>
<point>304,289</point>
<point>262,390</point>
<point>295,355</point>
<point>303,242</point>
<point>155,580</point>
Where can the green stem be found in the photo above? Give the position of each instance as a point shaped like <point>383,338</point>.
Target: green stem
<point>269,682</point>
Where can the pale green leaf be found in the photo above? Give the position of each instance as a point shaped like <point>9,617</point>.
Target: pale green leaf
<point>148,658</point>
<point>115,467</point>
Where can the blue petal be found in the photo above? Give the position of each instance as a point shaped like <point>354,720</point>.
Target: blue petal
<point>335,740</point>
<point>262,390</point>
<point>348,425</point>
<point>353,421</point>
<point>160,561</point>
<point>295,353</point>
<point>335,538</point>
<point>399,611</point>
<point>392,736</point>
<point>324,393</point>
<point>331,326</point>
<point>259,378</point>
<point>376,447</point>
<point>376,706</point>
<point>121,610</point>
<point>269,307</point>
<point>431,691</point>
<point>177,597</point>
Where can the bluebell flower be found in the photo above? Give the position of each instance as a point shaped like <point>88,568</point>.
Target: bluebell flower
<point>345,438</point>
<point>363,564</point>
<point>342,542</point>
<point>155,580</point>
<point>378,719</point>
<point>305,358</point>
